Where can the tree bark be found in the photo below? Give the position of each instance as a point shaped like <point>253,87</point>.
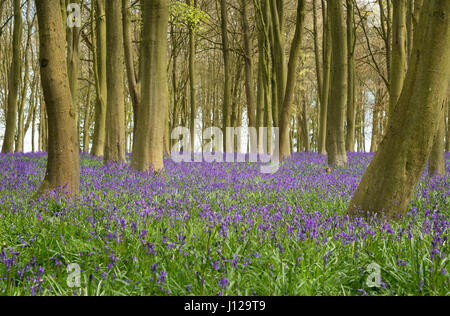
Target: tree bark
<point>294,58</point>
<point>351,109</point>
<point>192,49</point>
<point>98,140</point>
<point>13,82</point>
<point>134,84</point>
<point>337,155</point>
<point>399,52</point>
<point>226,112</point>
<point>148,154</point>
<point>436,165</point>
<point>326,81</point>
<point>248,70</point>
<point>63,167</point>
<point>390,180</point>
<point>115,145</point>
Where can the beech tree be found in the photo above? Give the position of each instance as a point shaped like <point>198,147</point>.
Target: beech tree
<point>390,180</point>
<point>98,143</point>
<point>115,110</point>
<point>337,155</point>
<point>14,81</point>
<point>149,149</point>
<point>63,167</point>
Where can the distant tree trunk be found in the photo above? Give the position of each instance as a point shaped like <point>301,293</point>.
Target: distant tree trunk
<point>436,165</point>
<point>98,141</point>
<point>192,49</point>
<point>278,59</point>
<point>248,70</point>
<point>73,62</point>
<point>317,51</point>
<point>390,180</point>
<point>14,81</point>
<point>115,115</point>
<point>148,154</point>
<point>86,121</point>
<point>376,121</point>
<point>326,80</point>
<point>351,109</point>
<point>294,58</point>
<point>25,86</point>
<point>337,155</point>
<point>63,167</point>
<point>305,126</point>
<point>227,70</point>
<point>399,52</point>
<point>134,83</point>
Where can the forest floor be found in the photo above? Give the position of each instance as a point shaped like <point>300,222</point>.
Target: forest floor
<point>217,229</point>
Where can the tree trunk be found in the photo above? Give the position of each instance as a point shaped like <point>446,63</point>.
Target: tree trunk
<point>436,166</point>
<point>337,156</point>
<point>447,144</point>
<point>294,58</point>
<point>390,180</point>
<point>248,70</point>
<point>351,109</point>
<point>192,49</point>
<point>13,82</point>
<point>98,140</point>
<point>279,60</point>
<point>73,62</point>
<point>86,121</point>
<point>326,81</point>
<point>399,52</point>
<point>148,154</point>
<point>227,70</point>
<point>134,84</point>
<point>63,167</point>
<point>115,115</point>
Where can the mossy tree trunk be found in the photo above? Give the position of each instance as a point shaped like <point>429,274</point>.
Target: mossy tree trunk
<point>390,180</point>
<point>63,167</point>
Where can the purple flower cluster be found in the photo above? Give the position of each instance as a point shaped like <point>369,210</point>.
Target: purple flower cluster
<point>202,228</point>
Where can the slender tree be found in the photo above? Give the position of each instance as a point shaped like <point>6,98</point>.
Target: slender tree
<point>286,111</point>
<point>248,65</point>
<point>326,80</point>
<point>115,113</point>
<point>148,154</point>
<point>98,142</point>
<point>14,81</point>
<point>351,109</point>
<point>337,155</point>
<point>226,112</point>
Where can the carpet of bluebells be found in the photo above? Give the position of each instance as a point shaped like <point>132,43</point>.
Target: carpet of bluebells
<point>217,229</point>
